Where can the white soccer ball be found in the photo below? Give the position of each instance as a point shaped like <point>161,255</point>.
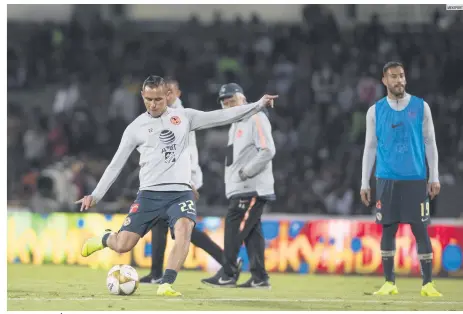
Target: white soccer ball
<point>122,280</point>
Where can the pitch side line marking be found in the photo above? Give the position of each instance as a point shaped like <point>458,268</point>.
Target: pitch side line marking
<point>126,299</point>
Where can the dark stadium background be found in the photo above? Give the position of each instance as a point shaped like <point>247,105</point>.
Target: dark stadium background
<point>74,75</point>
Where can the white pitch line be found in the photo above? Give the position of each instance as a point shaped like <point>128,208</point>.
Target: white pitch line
<point>122,298</point>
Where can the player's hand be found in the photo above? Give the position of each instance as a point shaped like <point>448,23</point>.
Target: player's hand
<point>195,192</point>
<point>267,100</point>
<point>365,194</point>
<point>433,189</point>
<point>242,175</point>
<point>87,202</point>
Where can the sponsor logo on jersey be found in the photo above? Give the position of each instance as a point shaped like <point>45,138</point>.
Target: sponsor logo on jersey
<point>167,137</point>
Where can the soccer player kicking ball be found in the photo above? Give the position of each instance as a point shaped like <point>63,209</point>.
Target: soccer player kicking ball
<point>160,229</point>
<point>161,136</point>
<point>400,136</point>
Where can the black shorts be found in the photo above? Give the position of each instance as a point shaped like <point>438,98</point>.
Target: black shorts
<point>151,207</point>
<point>401,201</point>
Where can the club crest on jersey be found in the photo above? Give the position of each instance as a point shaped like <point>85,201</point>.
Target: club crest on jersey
<point>378,204</point>
<point>239,133</point>
<point>175,120</point>
<point>134,208</point>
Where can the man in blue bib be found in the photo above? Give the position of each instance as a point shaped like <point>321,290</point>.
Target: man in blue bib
<point>400,137</point>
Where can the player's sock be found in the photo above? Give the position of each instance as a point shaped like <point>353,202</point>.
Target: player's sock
<point>388,265</point>
<point>388,251</point>
<point>169,276</point>
<point>104,239</point>
<point>203,241</point>
<point>426,267</point>
<point>423,243</point>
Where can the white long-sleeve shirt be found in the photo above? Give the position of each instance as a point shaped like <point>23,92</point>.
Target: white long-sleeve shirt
<point>371,142</point>
<point>165,163</point>
<point>196,172</point>
<point>250,149</point>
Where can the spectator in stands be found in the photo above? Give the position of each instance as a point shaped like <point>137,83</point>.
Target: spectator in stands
<point>67,96</point>
<point>124,102</point>
<point>35,142</point>
<point>326,84</point>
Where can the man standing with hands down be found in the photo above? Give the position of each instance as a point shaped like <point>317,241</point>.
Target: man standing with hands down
<point>161,136</point>
<point>400,137</point>
<point>249,187</point>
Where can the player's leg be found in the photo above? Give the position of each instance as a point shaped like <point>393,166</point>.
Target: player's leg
<point>415,211</point>
<point>182,219</point>
<point>182,229</point>
<point>227,276</point>
<point>135,226</point>
<point>233,237</point>
<point>158,248</point>
<point>203,241</point>
<point>425,255</point>
<point>255,246</point>
<point>120,242</point>
<point>387,255</point>
<point>387,214</point>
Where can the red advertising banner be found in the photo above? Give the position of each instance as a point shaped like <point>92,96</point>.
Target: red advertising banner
<point>349,246</point>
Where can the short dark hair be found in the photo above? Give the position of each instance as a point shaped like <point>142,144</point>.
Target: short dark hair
<point>153,81</point>
<point>170,80</point>
<point>392,64</point>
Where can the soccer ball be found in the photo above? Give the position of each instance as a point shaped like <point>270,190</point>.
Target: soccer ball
<point>122,280</point>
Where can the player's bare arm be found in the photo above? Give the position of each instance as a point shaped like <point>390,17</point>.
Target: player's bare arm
<point>369,156</point>
<point>203,120</point>
<point>432,155</point>
<point>111,173</point>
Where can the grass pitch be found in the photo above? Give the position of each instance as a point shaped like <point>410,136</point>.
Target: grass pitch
<point>75,288</point>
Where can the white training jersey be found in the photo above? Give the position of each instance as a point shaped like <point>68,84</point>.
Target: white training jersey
<point>196,172</point>
<point>165,162</point>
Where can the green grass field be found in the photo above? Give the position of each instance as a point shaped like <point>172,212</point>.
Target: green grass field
<point>74,288</point>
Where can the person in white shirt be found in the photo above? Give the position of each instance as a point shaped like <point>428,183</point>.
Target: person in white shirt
<point>161,136</point>
<point>159,231</point>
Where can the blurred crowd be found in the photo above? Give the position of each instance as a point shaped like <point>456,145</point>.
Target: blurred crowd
<point>326,76</point>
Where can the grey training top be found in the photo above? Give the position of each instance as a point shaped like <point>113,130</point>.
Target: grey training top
<point>162,142</point>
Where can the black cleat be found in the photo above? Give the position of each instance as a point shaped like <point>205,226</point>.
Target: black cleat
<point>220,280</point>
<point>148,279</point>
<point>256,284</point>
<point>223,280</point>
